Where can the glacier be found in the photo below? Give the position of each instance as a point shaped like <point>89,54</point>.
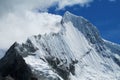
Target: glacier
<point>75,52</point>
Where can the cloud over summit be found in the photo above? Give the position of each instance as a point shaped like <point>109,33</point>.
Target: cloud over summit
<point>23,5</point>
<point>18,18</point>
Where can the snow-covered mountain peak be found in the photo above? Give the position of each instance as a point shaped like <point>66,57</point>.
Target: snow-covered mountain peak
<point>75,52</point>
<point>70,17</point>
<point>84,26</point>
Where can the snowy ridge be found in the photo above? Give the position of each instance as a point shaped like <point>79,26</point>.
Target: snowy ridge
<point>113,47</point>
<point>84,26</point>
<point>76,52</point>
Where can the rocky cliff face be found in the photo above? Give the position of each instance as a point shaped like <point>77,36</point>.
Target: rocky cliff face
<point>76,52</point>
<point>14,66</point>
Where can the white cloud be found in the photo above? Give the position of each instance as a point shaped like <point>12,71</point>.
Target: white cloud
<point>15,27</point>
<point>23,5</point>
<point>19,6</point>
<point>18,21</point>
<point>63,3</point>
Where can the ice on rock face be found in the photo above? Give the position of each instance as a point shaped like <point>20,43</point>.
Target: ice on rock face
<point>84,26</point>
<point>76,52</point>
<point>115,48</point>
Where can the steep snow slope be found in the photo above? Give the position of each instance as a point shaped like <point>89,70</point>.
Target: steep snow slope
<point>115,48</point>
<point>76,52</point>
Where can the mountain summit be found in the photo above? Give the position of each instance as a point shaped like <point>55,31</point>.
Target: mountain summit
<point>76,52</point>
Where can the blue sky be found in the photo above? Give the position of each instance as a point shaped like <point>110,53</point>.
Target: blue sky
<point>104,14</point>
<point>24,17</point>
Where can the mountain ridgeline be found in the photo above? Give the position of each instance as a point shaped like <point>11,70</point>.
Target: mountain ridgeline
<point>76,52</point>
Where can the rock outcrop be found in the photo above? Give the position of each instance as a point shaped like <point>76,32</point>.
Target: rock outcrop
<point>14,66</point>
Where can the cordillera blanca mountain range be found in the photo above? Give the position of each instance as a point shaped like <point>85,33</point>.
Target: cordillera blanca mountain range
<point>76,51</point>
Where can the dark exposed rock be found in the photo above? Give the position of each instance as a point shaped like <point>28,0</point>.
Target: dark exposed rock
<point>63,70</point>
<point>27,48</point>
<point>117,61</point>
<point>72,68</point>
<point>12,64</point>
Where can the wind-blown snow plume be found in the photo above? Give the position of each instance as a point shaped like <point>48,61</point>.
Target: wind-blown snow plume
<point>19,18</point>
<point>23,5</point>
<point>74,52</point>
<point>18,27</point>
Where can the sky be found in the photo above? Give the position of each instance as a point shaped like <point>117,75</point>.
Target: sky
<point>20,19</point>
<point>104,14</point>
